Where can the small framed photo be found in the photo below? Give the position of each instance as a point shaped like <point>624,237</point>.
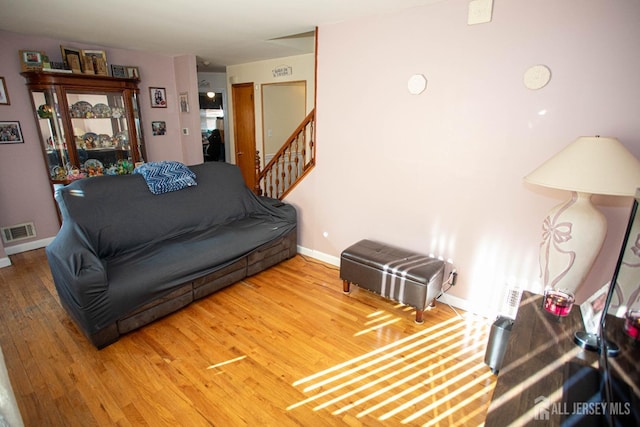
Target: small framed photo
<point>158,97</point>
<point>10,133</point>
<point>119,71</point>
<point>4,95</point>
<point>31,60</point>
<point>71,58</point>
<point>592,309</point>
<point>159,128</point>
<point>133,73</point>
<point>94,62</point>
<point>184,102</point>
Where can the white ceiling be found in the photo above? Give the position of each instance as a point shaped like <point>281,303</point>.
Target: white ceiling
<point>220,32</point>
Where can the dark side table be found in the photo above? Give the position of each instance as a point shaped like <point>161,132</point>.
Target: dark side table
<point>530,383</point>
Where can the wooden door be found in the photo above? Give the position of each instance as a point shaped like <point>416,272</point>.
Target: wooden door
<point>244,126</point>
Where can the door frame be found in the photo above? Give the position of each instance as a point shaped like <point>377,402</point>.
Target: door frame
<point>244,130</point>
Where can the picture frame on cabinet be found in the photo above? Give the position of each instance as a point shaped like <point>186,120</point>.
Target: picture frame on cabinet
<point>94,62</point>
<point>119,71</point>
<point>71,58</point>
<point>159,128</point>
<point>4,95</point>
<point>133,73</point>
<point>184,102</point>
<point>158,97</point>
<point>31,60</point>
<point>10,133</point>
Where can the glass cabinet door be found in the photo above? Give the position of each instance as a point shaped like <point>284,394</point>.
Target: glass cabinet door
<point>138,127</point>
<point>100,133</point>
<point>89,125</point>
<point>52,133</point>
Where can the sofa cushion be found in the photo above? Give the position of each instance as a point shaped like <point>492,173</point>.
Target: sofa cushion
<point>137,277</point>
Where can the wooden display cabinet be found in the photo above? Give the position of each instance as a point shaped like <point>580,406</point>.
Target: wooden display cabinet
<point>89,125</point>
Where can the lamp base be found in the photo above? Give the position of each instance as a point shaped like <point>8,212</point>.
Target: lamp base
<point>591,342</point>
<point>573,234</point>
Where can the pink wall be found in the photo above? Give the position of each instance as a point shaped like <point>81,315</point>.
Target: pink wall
<point>441,172</point>
<point>24,189</point>
<point>186,81</point>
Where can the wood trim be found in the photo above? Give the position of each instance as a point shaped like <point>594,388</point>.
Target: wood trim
<point>89,81</point>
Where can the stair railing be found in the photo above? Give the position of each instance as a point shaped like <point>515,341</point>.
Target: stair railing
<point>290,164</point>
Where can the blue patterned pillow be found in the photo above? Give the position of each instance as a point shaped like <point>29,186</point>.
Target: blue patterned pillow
<point>166,176</point>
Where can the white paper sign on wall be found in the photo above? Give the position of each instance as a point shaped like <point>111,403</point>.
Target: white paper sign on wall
<point>282,71</point>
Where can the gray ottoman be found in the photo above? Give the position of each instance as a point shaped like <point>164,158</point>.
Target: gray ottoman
<point>397,274</point>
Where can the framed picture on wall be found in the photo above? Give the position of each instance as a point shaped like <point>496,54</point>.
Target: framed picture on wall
<point>184,102</point>
<point>159,128</point>
<point>158,97</point>
<point>4,95</point>
<point>10,133</point>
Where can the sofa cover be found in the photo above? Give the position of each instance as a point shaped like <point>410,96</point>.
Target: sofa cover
<point>125,257</point>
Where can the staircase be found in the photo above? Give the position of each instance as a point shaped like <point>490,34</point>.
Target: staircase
<point>290,164</point>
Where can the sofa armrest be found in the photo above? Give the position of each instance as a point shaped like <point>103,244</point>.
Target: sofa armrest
<point>79,275</point>
<point>270,201</point>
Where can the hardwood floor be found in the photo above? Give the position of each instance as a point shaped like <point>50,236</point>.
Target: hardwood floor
<point>282,348</point>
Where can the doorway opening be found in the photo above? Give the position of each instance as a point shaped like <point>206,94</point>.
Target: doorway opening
<point>283,109</point>
<point>212,126</point>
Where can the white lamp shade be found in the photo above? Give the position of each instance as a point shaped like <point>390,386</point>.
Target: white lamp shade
<point>591,164</point>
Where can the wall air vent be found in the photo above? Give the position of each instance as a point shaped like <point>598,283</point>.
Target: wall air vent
<point>18,232</point>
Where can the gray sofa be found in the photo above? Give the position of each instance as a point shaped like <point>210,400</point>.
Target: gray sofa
<point>125,257</point>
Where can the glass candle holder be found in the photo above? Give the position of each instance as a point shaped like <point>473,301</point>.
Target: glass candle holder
<point>558,302</point>
<point>632,324</point>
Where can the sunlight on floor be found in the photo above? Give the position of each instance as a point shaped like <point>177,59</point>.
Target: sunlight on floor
<point>426,378</point>
<point>226,362</point>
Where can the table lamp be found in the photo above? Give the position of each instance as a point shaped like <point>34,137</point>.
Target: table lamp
<point>574,231</point>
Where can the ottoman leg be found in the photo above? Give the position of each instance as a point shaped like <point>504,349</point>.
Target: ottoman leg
<point>419,316</point>
<point>432,303</point>
<point>346,286</point>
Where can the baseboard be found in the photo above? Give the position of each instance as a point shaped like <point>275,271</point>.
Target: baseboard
<point>5,262</point>
<point>460,303</point>
<point>329,259</point>
<point>454,301</point>
<point>28,246</point>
